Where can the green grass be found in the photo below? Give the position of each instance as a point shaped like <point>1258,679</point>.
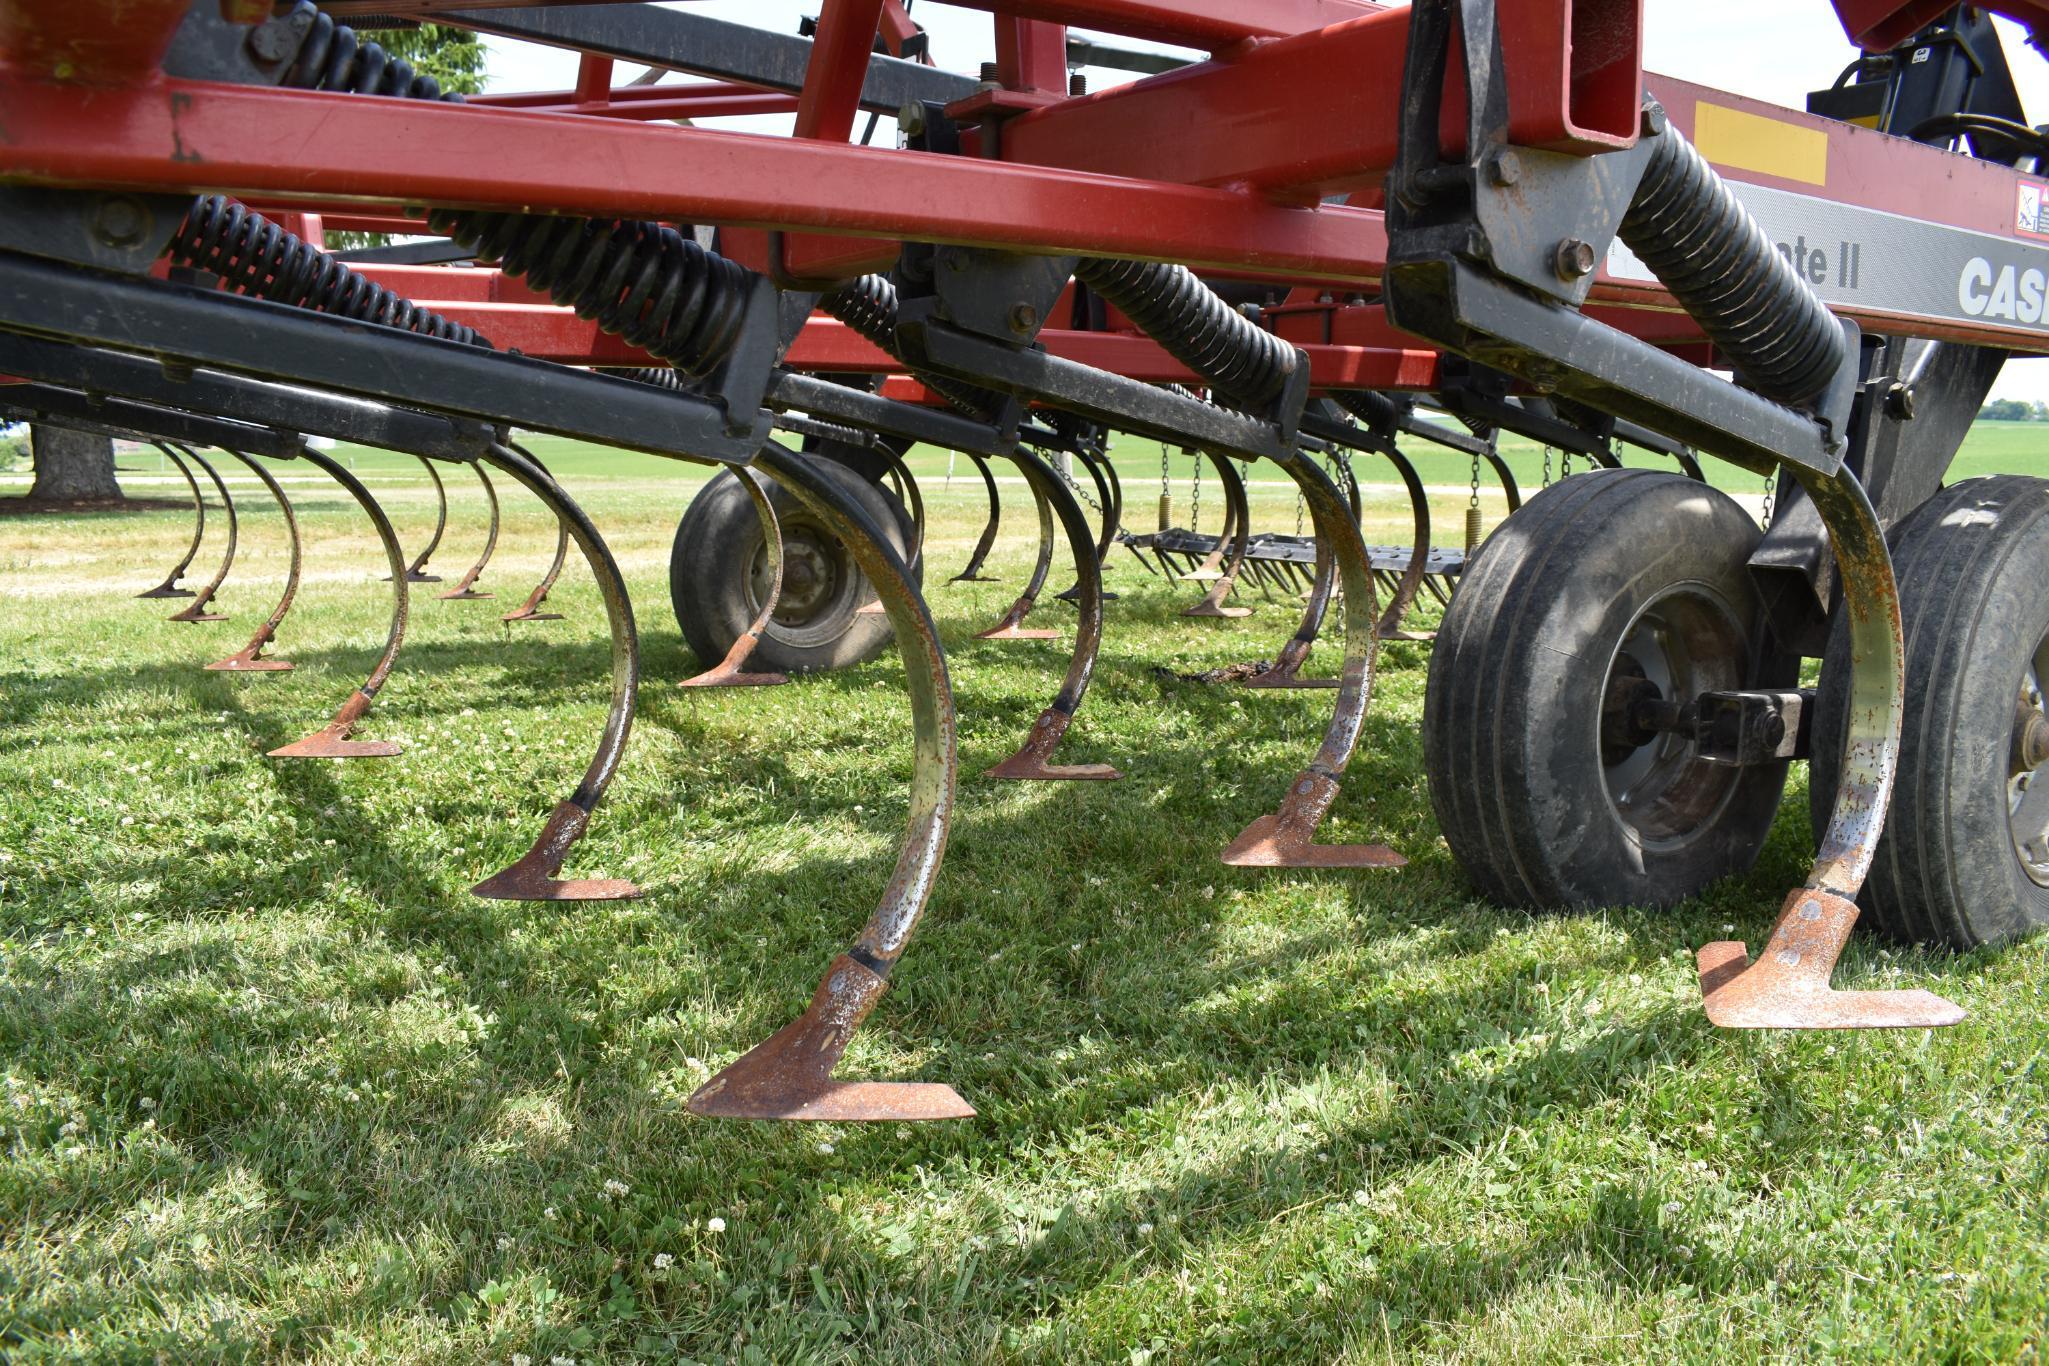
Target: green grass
<point>272,1085</point>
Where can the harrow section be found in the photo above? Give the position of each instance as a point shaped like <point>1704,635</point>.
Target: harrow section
<point>1494,213</point>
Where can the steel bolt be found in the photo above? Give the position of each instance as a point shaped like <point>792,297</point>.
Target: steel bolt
<point>1899,402</point>
<point>1654,120</point>
<point>911,118</point>
<point>120,221</point>
<point>273,40</point>
<point>1505,167</point>
<point>1023,318</point>
<point>991,76</point>
<point>1574,259</point>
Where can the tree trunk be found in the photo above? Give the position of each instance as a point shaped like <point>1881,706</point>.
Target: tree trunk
<point>72,466</point>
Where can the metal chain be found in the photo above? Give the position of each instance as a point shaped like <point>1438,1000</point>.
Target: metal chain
<point>1079,491</point>
<point>1195,497</point>
<point>1165,492</point>
<point>1547,467</point>
<point>1347,480</point>
<point>1771,490</point>
<point>1474,502</point>
<point>1564,466</point>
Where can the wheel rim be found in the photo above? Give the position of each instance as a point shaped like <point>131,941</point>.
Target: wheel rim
<point>821,586</point>
<point>1684,642</point>
<point>2028,770</point>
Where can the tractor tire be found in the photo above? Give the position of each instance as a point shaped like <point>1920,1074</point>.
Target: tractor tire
<point>1603,587</point>
<point>1951,864</point>
<point>719,572</point>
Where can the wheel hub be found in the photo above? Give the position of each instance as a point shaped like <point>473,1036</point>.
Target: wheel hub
<point>1683,643</point>
<point>810,578</point>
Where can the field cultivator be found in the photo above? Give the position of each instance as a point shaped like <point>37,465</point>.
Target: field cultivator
<point>1267,258</point>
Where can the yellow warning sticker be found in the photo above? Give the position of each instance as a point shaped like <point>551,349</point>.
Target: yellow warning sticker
<point>1742,141</point>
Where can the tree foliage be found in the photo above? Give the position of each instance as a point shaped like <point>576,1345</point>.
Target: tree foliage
<point>455,57</point>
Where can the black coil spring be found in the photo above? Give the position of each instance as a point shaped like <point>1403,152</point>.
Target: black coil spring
<point>1705,248</point>
<point>332,57</point>
<point>1247,365</point>
<point>644,282</point>
<point>869,306</point>
<point>254,256</point>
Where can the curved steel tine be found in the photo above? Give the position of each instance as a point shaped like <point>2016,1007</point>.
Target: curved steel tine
<point>1286,838</point>
<point>203,599</point>
<point>332,740</point>
<point>530,610</point>
<point>465,587</point>
<point>914,498</point>
<point>1110,501</point>
<point>1508,486</point>
<point>1030,761</point>
<point>1787,987</point>
<point>249,659</point>
<point>1404,594</point>
<point>416,572</point>
<point>1239,513</point>
<point>789,1076</point>
<point>169,587</point>
<point>973,573</point>
<point>1211,566</point>
<point>531,877</point>
<point>1010,628</point>
<point>1287,666</point>
<point>730,672</point>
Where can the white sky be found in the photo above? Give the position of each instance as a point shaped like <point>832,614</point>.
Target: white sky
<point>1775,50</point>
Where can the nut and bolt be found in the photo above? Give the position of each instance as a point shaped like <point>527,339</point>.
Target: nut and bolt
<point>1573,259</point>
<point>1505,167</point>
<point>990,77</point>
<point>911,119</point>
<point>1654,119</point>
<point>1023,318</point>
<point>1899,402</point>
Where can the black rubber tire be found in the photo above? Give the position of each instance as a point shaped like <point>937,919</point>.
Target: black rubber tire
<point>711,582</point>
<point>1512,738</point>
<point>1971,563</point>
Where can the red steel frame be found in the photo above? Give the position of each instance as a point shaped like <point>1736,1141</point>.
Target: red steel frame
<point>1218,166</point>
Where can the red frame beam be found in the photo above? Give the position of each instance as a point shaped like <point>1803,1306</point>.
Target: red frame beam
<point>282,146</point>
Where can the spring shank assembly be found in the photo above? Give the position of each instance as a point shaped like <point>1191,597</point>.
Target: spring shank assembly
<point>201,607</point>
<point>249,659</point>
<point>169,587</point>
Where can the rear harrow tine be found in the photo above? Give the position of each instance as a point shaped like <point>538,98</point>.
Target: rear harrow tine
<point>203,599</point>
<point>169,587</point>
<point>789,1076</point>
<point>332,740</point>
<point>530,610</point>
<point>465,588</point>
<point>730,672</point>
<point>1029,763</point>
<point>1011,627</point>
<point>973,573</point>
<point>531,877</point>
<point>249,659</point>
<point>1286,838</point>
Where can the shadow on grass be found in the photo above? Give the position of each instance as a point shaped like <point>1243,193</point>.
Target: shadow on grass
<point>1098,909</point>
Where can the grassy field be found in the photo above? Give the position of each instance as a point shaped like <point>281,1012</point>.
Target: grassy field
<point>272,1085</point>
